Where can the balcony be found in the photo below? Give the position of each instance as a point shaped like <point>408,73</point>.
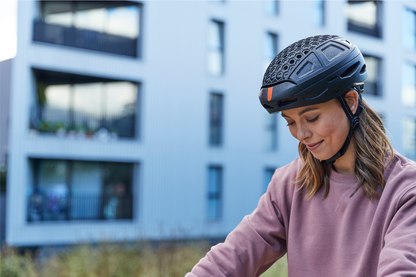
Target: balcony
<point>64,190</point>
<point>84,39</point>
<point>80,106</point>
<point>58,207</point>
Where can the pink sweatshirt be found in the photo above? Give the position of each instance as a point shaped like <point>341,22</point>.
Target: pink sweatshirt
<point>337,236</point>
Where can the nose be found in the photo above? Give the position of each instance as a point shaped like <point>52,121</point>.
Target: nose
<point>302,132</point>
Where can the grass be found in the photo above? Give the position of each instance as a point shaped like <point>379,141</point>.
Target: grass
<point>169,259</point>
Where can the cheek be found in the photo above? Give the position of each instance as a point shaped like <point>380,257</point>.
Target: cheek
<point>293,131</point>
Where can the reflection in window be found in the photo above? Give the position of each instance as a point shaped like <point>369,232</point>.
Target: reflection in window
<point>268,174</point>
<point>105,17</point>
<point>409,137</point>
<point>319,13</point>
<point>409,29</point>
<point>79,190</point>
<point>272,7</point>
<point>214,192</point>
<point>270,49</point>
<point>86,106</point>
<point>271,131</point>
<point>215,55</point>
<point>215,119</point>
<point>409,85</point>
<point>372,83</point>
<point>363,17</point>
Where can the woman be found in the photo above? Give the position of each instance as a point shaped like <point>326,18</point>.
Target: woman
<point>347,205</point>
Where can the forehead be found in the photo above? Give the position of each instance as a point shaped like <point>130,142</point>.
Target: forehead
<point>317,107</point>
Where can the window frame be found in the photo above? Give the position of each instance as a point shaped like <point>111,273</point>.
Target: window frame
<point>220,49</point>
<point>69,164</point>
<point>378,83</point>
<point>217,141</point>
<point>217,195</point>
<point>378,31</point>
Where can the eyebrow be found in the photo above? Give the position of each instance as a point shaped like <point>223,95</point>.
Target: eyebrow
<point>301,112</point>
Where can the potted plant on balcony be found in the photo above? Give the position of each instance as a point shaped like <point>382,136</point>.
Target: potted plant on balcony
<point>60,129</point>
<point>80,131</point>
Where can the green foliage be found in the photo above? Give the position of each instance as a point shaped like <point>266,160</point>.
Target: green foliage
<point>169,259</point>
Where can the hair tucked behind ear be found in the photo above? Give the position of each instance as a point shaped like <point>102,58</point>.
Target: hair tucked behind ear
<point>373,148</point>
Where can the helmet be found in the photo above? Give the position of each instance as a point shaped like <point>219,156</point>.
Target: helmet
<point>315,70</point>
<point>311,71</point>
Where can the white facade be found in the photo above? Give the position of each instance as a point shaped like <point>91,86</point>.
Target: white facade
<point>172,154</point>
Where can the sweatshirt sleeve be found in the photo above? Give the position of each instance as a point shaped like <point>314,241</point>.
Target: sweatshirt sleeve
<point>251,248</point>
<point>398,256</point>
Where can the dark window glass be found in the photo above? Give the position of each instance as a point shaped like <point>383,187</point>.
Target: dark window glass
<point>409,137</point>
<point>365,17</point>
<point>409,29</point>
<point>215,55</point>
<point>409,85</point>
<point>373,82</point>
<point>216,119</point>
<point>106,26</point>
<point>82,106</point>
<point>214,192</point>
<point>80,190</point>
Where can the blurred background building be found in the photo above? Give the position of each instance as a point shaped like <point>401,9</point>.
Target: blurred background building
<point>140,120</point>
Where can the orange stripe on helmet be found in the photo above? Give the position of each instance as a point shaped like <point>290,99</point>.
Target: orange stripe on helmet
<point>269,93</point>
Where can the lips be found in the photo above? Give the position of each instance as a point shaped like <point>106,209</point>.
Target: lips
<point>313,146</point>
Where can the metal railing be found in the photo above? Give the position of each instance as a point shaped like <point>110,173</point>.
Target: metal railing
<point>50,120</point>
<point>85,39</point>
<point>52,207</point>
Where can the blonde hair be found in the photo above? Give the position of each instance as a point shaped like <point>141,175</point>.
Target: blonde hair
<point>372,149</point>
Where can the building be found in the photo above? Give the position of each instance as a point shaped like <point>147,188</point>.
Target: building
<point>140,120</point>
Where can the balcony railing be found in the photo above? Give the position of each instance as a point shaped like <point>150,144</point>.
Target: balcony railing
<point>82,124</point>
<point>85,39</point>
<point>54,207</point>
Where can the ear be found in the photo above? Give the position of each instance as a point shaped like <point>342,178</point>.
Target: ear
<point>351,97</point>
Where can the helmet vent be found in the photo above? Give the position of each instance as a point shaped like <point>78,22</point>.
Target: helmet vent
<point>363,69</point>
<point>290,57</point>
<point>287,101</point>
<point>350,70</point>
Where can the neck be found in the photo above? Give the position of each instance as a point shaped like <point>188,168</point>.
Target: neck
<point>346,163</point>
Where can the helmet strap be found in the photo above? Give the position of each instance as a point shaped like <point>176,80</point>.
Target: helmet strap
<point>353,118</point>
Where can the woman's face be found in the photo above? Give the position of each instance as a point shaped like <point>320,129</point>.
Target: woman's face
<point>323,128</point>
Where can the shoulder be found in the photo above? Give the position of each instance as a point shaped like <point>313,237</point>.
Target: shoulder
<point>400,178</point>
<point>282,183</point>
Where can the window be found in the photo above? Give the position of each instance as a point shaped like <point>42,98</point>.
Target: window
<point>107,26</point>
<point>215,57</point>
<point>268,174</point>
<point>215,119</point>
<point>409,137</point>
<point>373,82</point>
<point>214,192</point>
<point>271,132</point>
<point>83,106</point>
<point>272,7</point>
<point>80,190</point>
<point>319,13</point>
<point>409,29</point>
<point>270,49</point>
<point>365,17</point>
<point>409,85</point>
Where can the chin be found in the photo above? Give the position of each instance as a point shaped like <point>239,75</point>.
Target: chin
<point>322,157</point>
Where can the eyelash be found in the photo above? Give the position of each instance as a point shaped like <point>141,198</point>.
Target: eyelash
<point>310,121</point>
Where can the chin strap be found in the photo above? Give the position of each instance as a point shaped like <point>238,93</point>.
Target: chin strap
<point>359,88</point>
